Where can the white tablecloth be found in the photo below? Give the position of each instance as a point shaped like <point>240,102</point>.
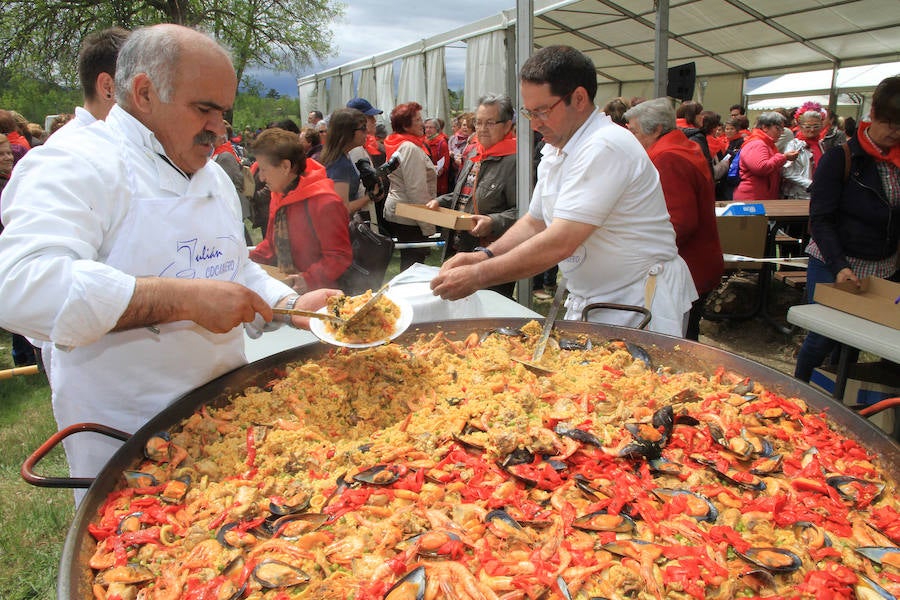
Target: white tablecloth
<point>413,286</point>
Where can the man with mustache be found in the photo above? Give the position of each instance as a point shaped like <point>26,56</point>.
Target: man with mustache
<point>124,246</point>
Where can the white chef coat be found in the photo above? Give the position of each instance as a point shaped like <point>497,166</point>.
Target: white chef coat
<point>603,177</point>
<point>83,218</point>
<point>83,118</point>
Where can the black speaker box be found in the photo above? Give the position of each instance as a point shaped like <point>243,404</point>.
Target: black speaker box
<point>681,81</point>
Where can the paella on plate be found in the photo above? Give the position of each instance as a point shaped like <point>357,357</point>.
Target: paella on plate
<point>444,469</point>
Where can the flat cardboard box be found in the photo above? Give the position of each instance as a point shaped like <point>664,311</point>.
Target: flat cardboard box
<point>874,301</point>
<point>443,217</point>
<point>745,236</point>
<point>275,272</point>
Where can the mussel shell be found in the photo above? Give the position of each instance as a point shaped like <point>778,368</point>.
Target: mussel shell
<point>281,509</point>
<point>665,418</point>
<point>759,579</point>
<point>663,466</point>
<point>811,535</point>
<point>699,506</point>
<point>563,588</point>
<point>637,352</point>
<point>743,388</point>
<point>157,446</point>
<point>583,484</point>
<point>846,486</point>
<point>381,474</point>
<point>433,544</point>
<point>507,331</point>
<point>733,476</point>
<point>647,450</point>
<point>128,574</point>
<point>767,465</point>
<point>575,344</point>
<point>603,521</point>
<point>883,555</point>
<point>221,534</point>
<point>139,479</point>
<point>519,456</point>
<point>774,560</point>
<point>629,547</point>
<point>410,587</point>
<point>272,574</point>
<point>867,589</point>
<point>130,522</point>
<point>295,525</point>
<point>498,514</point>
<point>579,435</point>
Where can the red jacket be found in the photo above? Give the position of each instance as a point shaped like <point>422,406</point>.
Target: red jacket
<point>691,200</point>
<point>322,253</point>
<point>760,169</point>
<point>440,149</point>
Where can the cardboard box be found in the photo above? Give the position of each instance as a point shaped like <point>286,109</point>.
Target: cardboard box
<point>275,272</point>
<point>874,301</point>
<point>867,383</point>
<point>743,235</point>
<point>442,217</point>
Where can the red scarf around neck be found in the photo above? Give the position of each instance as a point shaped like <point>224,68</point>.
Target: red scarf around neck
<point>759,134</point>
<point>504,147</point>
<point>371,145</point>
<point>676,142</point>
<point>893,155</point>
<point>813,145</point>
<point>393,141</point>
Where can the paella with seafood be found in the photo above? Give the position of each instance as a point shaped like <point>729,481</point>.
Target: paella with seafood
<point>379,323</point>
<point>444,469</point>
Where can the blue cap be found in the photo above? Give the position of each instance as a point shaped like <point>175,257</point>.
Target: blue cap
<point>364,106</point>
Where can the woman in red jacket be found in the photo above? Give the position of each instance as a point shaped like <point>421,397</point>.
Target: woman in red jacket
<point>307,235</point>
<point>761,162</point>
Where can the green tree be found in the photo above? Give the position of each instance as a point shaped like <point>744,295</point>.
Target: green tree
<point>35,98</point>
<point>41,37</point>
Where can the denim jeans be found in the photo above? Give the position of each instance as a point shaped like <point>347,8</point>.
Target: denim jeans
<point>815,347</point>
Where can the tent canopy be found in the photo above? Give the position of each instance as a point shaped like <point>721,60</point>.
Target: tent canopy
<point>726,39</point>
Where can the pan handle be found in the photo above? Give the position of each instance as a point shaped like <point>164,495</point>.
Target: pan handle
<point>630,307</point>
<point>876,408</point>
<point>31,462</point>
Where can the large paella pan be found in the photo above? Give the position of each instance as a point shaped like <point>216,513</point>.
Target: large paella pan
<point>644,467</point>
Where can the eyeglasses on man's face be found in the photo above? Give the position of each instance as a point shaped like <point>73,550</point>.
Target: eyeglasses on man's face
<point>487,123</point>
<point>542,114</point>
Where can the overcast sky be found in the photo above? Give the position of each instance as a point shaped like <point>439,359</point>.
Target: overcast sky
<point>374,26</point>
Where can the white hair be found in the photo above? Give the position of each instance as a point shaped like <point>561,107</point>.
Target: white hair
<point>651,114</point>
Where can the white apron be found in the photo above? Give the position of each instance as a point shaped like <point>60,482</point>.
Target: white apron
<point>127,377</point>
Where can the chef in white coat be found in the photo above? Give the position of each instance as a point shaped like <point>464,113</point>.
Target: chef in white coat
<point>123,246</point>
<point>597,210</point>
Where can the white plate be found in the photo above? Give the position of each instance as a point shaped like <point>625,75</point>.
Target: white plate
<point>317,326</point>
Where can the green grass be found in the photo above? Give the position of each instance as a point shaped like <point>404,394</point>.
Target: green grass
<point>35,520</point>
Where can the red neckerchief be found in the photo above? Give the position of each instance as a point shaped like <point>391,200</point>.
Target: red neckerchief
<point>716,144</point>
<point>393,141</point>
<point>371,145</point>
<point>759,134</point>
<point>504,147</point>
<point>682,123</point>
<point>15,137</point>
<point>225,147</point>
<point>676,142</point>
<point>893,155</point>
<point>813,145</point>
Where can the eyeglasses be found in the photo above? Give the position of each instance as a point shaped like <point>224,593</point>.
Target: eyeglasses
<point>541,114</point>
<point>488,123</point>
<point>363,128</point>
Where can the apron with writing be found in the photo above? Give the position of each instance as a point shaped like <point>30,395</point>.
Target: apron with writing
<point>127,377</point>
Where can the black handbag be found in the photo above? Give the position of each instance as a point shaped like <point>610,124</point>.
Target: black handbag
<point>371,255</point>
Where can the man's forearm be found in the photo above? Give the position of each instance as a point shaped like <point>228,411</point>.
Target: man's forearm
<point>155,300</point>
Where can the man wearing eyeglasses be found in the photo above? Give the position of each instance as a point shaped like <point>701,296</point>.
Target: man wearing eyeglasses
<point>486,186</point>
<point>597,209</point>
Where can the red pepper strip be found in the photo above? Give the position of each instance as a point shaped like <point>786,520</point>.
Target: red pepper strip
<point>723,533</point>
<point>887,520</point>
<point>830,583</point>
<point>251,446</point>
<point>684,575</point>
<point>613,371</point>
<point>824,552</point>
<point>200,590</point>
<point>214,524</point>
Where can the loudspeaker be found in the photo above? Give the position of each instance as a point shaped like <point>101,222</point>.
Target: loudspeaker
<point>681,81</point>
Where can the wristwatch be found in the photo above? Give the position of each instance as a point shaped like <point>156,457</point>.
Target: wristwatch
<point>289,305</point>
<point>485,250</point>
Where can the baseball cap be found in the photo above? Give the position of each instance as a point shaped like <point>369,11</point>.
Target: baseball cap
<point>364,106</point>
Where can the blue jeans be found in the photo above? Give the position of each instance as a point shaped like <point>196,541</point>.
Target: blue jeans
<point>816,347</point>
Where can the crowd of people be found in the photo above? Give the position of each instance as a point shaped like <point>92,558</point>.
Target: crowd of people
<point>94,269</point>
